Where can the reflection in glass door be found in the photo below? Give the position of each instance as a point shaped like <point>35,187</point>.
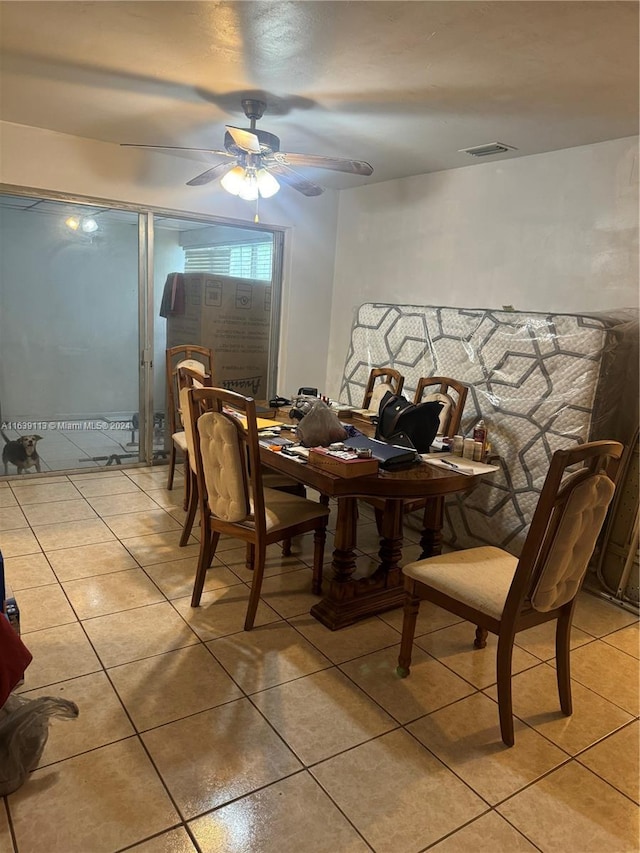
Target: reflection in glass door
<point>69,339</point>
<point>218,286</point>
<point>86,316</point>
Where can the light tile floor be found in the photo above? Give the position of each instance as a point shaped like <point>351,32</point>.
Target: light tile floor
<point>194,735</point>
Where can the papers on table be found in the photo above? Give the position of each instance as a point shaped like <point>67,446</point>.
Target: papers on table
<point>266,423</point>
<point>458,463</point>
<point>262,423</point>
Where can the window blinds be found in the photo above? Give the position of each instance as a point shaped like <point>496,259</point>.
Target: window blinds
<point>243,260</point>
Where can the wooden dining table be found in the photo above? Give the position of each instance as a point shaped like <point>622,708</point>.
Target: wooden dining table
<point>347,598</point>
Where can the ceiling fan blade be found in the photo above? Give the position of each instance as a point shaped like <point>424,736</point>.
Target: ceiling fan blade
<point>353,167</point>
<point>289,177</point>
<point>177,148</point>
<point>209,175</point>
<point>244,139</point>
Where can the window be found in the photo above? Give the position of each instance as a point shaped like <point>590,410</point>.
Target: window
<point>244,260</point>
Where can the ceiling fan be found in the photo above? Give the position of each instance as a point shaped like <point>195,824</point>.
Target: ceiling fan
<point>258,165</point>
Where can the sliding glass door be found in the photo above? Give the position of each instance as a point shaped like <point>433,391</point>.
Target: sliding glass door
<point>91,296</point>
<point>69,334</point>
<point>218,286</point>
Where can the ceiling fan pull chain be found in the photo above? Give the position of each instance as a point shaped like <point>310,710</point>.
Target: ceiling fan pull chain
<point>255,218</point>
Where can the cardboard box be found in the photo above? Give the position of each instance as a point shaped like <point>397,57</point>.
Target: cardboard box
<point>233,317</point>
<point>320,457</point>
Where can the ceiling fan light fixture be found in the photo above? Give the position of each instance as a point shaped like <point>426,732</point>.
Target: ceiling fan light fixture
<point>249,188</point>
<point>248,183</point>
<point>232,182</point>
<point>267,184</point>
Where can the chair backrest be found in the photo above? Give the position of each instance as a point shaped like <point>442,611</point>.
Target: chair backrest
<point>189,375</point>
<point>195,357</point>
<point>381,380</point>
<point>565,526</point>
<point>438,389</point>
<point>225,449</point>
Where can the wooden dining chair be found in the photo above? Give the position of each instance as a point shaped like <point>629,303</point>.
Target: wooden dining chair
<point>381,380</point>
<point>232,498</point>
<point>199,359</point>
<point>453,395</point>
<point>503,594</point>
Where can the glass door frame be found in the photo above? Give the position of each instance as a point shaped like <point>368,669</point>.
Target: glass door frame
<point>145,336</point>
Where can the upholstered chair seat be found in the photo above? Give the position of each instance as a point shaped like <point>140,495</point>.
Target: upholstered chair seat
<point>478,577</point>
<point>282,510</point>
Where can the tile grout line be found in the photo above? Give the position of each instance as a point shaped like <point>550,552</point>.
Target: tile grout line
<point>337,667</point>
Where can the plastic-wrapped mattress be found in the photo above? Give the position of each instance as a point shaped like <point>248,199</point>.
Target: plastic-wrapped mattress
<point>540,381</point>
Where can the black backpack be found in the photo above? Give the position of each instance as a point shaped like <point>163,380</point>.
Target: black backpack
<point>419,422</point>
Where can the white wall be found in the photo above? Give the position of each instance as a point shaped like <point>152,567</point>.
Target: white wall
<point>44,160</point>
<point>551,232</point>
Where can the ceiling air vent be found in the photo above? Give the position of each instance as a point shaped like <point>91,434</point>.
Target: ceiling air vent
<point>488,149</point>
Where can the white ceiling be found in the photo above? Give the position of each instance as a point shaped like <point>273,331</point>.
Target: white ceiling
<point>403,85</point>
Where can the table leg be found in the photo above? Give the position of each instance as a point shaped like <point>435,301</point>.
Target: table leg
<point>390,552</point>
<point>350,599</point>
<point>431,539</point>
<point>344,558</point>
<point>343,564</point>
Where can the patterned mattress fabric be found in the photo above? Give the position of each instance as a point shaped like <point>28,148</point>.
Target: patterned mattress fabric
<point>540,381</point>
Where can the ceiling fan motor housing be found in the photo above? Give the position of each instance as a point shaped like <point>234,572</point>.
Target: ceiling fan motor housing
<point>253,109</point>
<point>269,142</point>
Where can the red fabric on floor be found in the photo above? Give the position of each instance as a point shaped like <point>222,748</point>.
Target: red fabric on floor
<point>15,657</point>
